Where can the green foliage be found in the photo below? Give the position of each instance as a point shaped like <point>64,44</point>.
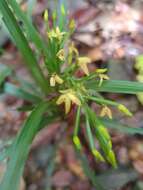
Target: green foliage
<point>22,43</point>
<point>20,147</point>
<point>58,84</point>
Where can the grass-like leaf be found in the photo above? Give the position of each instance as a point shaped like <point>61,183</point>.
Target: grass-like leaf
<point>20,148</point>
<point>22,44</point>
<point>114,124</point>
<point>20,93</point>
<point>31,32</point>
<point>116,86</point>
<point>30,29</point>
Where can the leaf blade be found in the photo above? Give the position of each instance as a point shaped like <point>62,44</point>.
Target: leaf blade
<point>20,148</point>
<point>116,86</point>
<point>121,127</point>
<point>22,44</point>
<point>20,93</point>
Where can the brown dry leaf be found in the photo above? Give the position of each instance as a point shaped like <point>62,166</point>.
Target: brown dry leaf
<point>95,54</point>
<point>138,165</point>
<point>72,163</point>
<point>62,178</point>
<point>84,15</point>
<point>136,155</point>
<point>77,170</point>
<point>136,151</point>
<point>85,39</point>
<point>81,185</point>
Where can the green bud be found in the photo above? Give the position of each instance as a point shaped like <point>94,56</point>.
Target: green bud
<point>77,142</point>
<point>46,15</point>
<point>124,110</point>
<point>104,132</point>
<point>112,159</point>
<point>139,63</point>
<point>110,144</point>
<point>54,15</point>
<point>97,155</point>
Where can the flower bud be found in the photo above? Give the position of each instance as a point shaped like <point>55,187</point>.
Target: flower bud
<point>77,142</point>
<point>124,110</point>
<point>46,16</point>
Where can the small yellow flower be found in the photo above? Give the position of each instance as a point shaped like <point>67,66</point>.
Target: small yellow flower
<point>103,77</point>
<point>106,112</point>
<point>124,110</point>
<point>61,55</point>
<point>55,79</point>
<point>46,16</point>
<point>73,49</point>
<point>68,97</point>
<point>57,34</point>
<point>82,62</point>
<point>72,53</point>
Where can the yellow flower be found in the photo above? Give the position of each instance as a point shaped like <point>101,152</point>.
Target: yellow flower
<point>61,55</point>
<point>124,110</point>
<point>55,79</point>
<point>72,52</point>
<point>82,62</point>
<point>57,34</point>
<point>68,97</point>
<point>106,112</point>
<point>73,49</point>
<point>102,77</point>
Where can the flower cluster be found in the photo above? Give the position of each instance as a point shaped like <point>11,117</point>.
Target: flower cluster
<point>70,88</point>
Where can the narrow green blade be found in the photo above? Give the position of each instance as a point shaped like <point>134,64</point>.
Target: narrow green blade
<point>122,127</point>
<point>20,148</point>
<point>114,86</point>
<point>30,29</point>
<point>22,45</point>
<point>20,93</point>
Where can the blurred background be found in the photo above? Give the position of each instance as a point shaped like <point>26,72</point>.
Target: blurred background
<point>110,32</point>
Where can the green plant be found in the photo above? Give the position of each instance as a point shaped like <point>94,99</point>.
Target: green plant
<point>57,82</point>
